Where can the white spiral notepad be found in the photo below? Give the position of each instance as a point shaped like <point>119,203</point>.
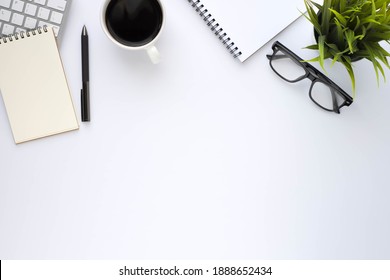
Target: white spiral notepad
<point>247,25</point>
<point>34,87</point>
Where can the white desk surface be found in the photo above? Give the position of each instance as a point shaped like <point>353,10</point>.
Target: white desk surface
<point>199,157</point>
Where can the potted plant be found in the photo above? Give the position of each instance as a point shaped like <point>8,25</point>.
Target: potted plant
<point>349,30</point>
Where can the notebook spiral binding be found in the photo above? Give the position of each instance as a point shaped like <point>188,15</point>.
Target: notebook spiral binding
<point>215,27</point>
<point>22,35</point>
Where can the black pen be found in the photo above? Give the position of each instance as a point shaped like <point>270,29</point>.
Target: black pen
<point>85,111</point>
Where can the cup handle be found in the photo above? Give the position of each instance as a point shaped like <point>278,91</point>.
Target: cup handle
<point>153,54</point>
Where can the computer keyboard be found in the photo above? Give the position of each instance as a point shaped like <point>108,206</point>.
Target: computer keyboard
<point>24,15</point>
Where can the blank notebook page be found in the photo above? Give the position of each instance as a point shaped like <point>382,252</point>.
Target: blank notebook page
<point>250,24</point>
<point>34,87</point>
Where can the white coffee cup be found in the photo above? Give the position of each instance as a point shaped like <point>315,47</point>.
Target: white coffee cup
<point>138,33</point>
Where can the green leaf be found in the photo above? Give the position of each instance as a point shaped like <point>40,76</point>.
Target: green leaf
<point>312,47</point>
<point>372,57</point>
<point>339,17</point>
<point>347,64</point>
<point>325,16</point>
<point>321,49</point>
<point>350,37</point>
<point>312,16</point>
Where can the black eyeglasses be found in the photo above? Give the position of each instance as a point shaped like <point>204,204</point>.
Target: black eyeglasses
<point>323,91</point>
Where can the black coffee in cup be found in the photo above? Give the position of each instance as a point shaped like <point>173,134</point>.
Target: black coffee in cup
<point>134,23</point>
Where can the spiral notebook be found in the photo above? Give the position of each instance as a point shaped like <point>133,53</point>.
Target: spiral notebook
<point>34,87</point>
<point>245,26</point>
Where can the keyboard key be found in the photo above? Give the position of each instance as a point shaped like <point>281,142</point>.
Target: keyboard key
<point>43,13</point>
<point>31,9</point>
<point>5,15</point>
<point>8,29</point>
<point>18,5</point>
<point>41,2</point>
<point>56,17</point>
<point>57,4</point>
<point>30,23</point>
<point>17,19</point>
<point>5,3</point>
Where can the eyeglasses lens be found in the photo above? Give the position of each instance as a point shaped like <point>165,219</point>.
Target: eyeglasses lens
<point>286,67</point>
<point>325,96</point>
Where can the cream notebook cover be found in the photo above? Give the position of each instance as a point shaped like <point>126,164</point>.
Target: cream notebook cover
<point>34,87</point>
